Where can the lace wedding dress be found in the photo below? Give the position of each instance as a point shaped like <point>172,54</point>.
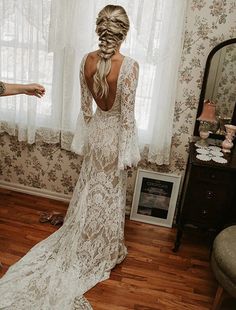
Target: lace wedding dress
<point>57,271</point>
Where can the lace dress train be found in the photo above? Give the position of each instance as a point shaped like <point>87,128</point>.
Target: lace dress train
<point>57,271</point>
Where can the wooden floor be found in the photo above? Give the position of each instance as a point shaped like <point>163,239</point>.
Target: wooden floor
<point>151,277</point>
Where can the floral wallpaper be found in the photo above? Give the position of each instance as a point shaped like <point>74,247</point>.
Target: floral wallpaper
<point>38,165</point>
<point>209,22</point>
<point>48,167</point>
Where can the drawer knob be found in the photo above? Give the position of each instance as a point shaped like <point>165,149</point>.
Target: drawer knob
<point>210,195</point>
<point>204,212</point>
<point>213,176</point>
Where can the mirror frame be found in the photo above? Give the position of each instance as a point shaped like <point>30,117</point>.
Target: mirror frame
<point>203,90</point>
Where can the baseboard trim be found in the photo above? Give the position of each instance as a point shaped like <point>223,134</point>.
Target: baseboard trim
<point>35,191</point>
<point>16,187</point>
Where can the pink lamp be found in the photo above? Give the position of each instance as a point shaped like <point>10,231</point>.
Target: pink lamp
<point>207,116</point>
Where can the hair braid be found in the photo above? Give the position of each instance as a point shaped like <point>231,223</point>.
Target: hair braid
<point>112,27</point>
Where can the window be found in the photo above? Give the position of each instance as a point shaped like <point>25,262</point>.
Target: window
<point>68,27</point>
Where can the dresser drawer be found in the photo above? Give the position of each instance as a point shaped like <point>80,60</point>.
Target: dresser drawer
<point>207,203</point>
<point>210,175</point>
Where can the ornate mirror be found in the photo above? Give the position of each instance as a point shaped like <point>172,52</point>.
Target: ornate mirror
<point>219,87</point>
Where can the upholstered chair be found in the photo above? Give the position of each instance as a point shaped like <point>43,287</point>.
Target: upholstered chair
<point>223,262</point>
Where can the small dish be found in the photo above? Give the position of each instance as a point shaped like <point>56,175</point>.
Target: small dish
<point>217,153</point>
<point>220,160</point>
<point>202,151</point>
<point>215,148</point>
<point>203,157</point>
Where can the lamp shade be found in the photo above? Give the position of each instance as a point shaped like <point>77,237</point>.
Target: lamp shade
<point>208,112</point>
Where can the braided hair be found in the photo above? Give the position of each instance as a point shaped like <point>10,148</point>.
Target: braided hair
<point>112,25</point>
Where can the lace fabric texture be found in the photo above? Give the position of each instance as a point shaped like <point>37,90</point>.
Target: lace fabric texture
<point>57,271</point>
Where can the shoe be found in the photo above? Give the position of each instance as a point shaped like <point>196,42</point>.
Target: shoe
<point>57,219</point>
<point>45,217</point>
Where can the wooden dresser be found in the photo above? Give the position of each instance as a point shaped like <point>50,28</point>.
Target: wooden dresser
<point>208,200</point>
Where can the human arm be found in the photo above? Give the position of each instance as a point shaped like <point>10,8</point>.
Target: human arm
<point>80,138</point>
<point>7,89</point>
<point>128,145</point>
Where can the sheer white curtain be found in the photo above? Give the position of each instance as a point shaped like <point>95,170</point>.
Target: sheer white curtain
<point>24,58</point>
<point>154,40</point>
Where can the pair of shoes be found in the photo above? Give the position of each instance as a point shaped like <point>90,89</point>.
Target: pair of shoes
<point>55,218</point>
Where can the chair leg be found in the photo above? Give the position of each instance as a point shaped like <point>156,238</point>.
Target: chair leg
<point>218,298</point>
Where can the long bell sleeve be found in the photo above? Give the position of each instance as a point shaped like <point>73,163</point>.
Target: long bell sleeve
<point>129,154</point>
<point>80,138</point>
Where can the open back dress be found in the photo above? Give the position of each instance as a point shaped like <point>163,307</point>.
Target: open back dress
<point>57,271</point>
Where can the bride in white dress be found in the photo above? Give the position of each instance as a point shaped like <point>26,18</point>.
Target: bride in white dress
<point>57,271</point>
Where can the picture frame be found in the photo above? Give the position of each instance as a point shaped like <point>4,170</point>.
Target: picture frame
<point>155,197</point>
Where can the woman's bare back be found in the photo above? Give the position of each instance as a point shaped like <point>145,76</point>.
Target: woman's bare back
<point>89,70</point>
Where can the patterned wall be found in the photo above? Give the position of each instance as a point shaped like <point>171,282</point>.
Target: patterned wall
<point>209,22</point>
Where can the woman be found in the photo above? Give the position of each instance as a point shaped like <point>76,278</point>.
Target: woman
<point>60,269</point>
<point>7,89</point>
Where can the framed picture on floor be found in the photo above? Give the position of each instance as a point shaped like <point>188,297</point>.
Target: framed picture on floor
<point>155,197</point>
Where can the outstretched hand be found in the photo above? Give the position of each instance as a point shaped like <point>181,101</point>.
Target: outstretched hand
<point>34,90</point>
